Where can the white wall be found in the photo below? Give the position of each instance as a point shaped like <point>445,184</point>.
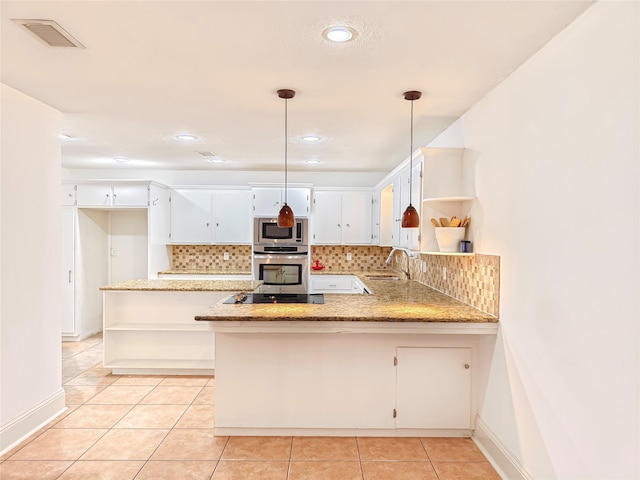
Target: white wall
<point>129,245</point>
<point>30,260</point>
<point>558,200</point>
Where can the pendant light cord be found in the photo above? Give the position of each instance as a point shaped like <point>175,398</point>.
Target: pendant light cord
<point>411,156</point>
<point>286,137</point>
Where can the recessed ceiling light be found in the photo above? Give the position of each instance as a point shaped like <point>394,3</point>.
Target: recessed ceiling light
<point>121,159</point>
<point>186,136</point>
<point>216,160</point>
<point>64,136</point>
<point>313,161</point>
<point>310,138</point>
<point>339,34</point>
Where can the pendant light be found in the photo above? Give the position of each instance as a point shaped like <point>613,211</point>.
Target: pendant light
<point>285,216</point>
<point>410,217</point>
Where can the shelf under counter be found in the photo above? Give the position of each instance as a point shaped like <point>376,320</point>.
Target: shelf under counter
<point>151,330</point>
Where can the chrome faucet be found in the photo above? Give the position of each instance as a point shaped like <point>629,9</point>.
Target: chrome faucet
<point>409,253</point>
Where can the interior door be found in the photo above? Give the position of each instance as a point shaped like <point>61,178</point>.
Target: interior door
<point>68,270</point>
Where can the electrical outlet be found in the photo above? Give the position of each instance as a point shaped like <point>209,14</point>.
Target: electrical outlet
<point>349,256</point>
<point>114,252</point>
<point>444,273</point>
<point>225,255</point>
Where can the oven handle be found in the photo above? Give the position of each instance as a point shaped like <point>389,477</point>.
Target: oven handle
<point>263,256</point>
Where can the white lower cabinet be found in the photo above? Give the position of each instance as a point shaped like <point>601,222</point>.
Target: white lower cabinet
<point>348,284</point>
<point>321,378</point>
<point>433,388</point>
<point>154,332</point>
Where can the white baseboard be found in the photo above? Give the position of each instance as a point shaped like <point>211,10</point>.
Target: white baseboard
<point>337,432</point>
<point>26,424</point>
<point>500,457</point>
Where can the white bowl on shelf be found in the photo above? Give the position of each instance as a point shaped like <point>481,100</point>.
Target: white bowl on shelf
<point>449,238</point>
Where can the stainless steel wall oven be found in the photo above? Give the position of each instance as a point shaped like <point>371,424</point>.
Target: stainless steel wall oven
<point>281,256</point>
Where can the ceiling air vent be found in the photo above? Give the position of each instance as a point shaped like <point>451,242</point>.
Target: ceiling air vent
<point>208,154</point>
<point>50,33</point>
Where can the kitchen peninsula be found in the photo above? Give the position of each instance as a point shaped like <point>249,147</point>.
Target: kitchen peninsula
<point>405,360</point>
<point>149,325</point>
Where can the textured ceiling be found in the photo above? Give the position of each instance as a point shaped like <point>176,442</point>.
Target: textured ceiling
<point>153,69</point>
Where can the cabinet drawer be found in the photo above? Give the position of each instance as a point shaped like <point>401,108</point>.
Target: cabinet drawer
<point>332,284</point>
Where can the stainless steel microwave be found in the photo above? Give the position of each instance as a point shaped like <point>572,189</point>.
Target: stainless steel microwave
<point>267,232</point>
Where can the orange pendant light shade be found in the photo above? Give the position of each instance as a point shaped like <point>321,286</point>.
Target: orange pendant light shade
<point>410,218</point>
<point>286,217</point>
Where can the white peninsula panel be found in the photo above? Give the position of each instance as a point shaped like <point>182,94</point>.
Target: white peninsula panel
<point>350,378</point>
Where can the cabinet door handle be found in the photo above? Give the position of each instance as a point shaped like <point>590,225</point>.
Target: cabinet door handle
<point>70,276</point>
<point>467,366</point>
<point>349,226</point>
<point>207,224</point>
<point>217,224</point>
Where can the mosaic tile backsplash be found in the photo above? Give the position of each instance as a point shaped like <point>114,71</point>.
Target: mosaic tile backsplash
<point>334,257</point>
<point>211,257</point>
<point>474,280</point>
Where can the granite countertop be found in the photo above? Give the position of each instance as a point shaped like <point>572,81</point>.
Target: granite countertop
<point>391,301</point>
<point>186,285</point>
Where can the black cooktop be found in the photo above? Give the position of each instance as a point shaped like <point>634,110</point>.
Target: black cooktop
<point>276,298</point>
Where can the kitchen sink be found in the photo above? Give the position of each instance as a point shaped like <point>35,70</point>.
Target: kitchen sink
<point>381,277</point>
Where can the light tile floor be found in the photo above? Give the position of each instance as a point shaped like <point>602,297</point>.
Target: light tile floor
<point>161,427</point>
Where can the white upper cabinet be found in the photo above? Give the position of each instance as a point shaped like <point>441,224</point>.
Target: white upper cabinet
<point>267,201</point>
<point>112,194</point>
<point>191,216</point>
<point>342,218</point>
<point>327,218</point>
<point>232,216</point>
<point>211,216</point>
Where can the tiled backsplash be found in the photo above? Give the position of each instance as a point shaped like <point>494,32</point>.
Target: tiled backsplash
<point>334,257</point>
<point>211,257</point>
<point>474,280</point>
